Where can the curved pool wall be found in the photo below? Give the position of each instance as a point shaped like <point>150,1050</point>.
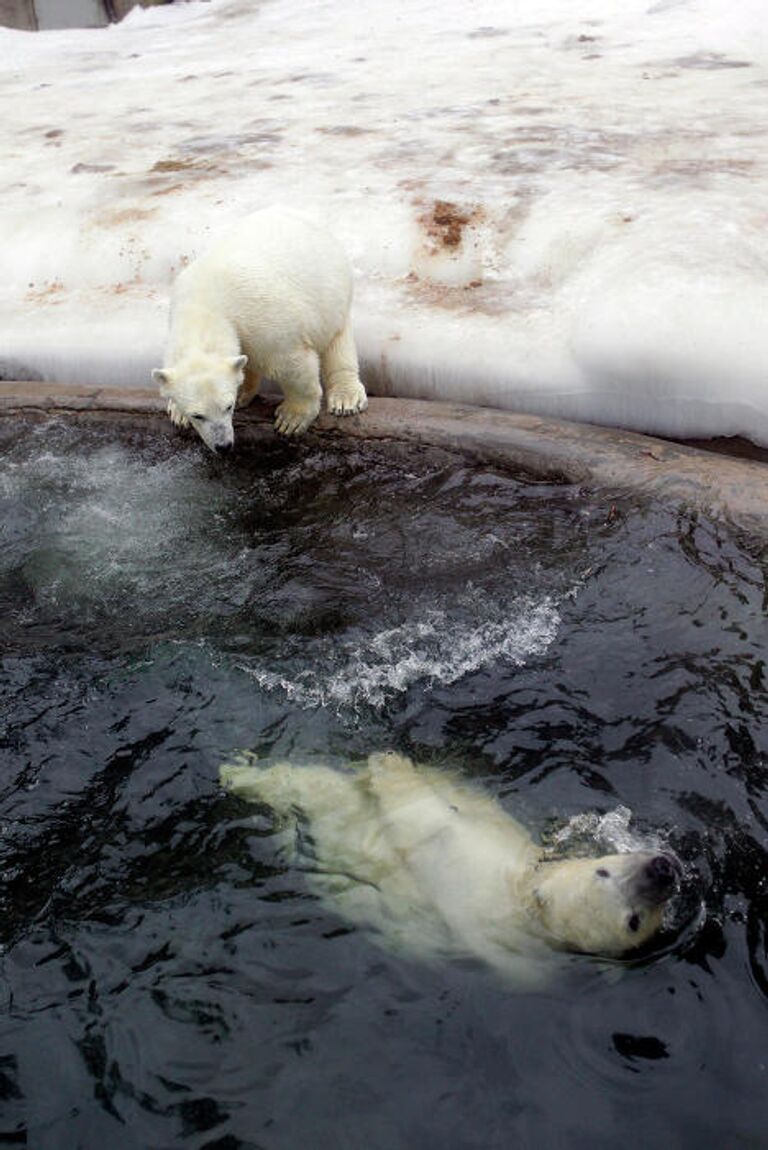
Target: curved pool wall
<point>605,459</point>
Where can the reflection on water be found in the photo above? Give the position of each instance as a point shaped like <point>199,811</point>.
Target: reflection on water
<point>168,979</point>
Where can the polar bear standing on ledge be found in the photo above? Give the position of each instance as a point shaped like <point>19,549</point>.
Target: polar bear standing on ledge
<point>438,868</point>
<point>270,300</point>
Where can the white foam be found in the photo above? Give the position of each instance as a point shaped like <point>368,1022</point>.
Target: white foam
<point>610,831</point>
<point>108,527</point>
<point>436,648</point>
<point>607,164</point>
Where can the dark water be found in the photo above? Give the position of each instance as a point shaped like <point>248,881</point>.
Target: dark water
<point>167,981</point>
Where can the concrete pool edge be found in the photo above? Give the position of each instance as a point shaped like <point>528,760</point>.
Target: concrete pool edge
<point>603,458</point>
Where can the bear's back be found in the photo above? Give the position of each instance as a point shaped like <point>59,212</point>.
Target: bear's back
<point>279,277</point>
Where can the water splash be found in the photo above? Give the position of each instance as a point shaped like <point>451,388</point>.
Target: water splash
<point>610,832</point>
<point>436,649</point>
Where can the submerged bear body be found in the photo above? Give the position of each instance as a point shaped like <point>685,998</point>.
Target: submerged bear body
<point>439,869</point>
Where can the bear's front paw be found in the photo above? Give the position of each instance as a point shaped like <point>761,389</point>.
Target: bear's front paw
<point>176,415</point>
<point>249,388</point>
<point>240,771</point>
<point>347,398</point>
<point>295,418</point>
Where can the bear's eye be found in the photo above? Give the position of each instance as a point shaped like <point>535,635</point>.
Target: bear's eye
<point>603,872</point>
<point>198,418</point>
<point>634,923</point>
<point>228,408</point>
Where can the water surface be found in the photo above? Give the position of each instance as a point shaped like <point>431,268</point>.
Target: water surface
<point>167,979</point>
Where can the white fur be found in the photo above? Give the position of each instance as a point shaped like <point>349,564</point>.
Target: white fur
<point>270,300</point>
<point>440,869</point>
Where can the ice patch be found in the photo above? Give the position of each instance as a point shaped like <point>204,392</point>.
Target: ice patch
<point>436,649</point>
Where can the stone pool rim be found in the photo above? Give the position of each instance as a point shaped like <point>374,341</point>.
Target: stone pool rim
<point>607,460</point>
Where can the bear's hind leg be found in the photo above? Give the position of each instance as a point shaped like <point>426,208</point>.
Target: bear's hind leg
<point>299,378</point>
<point>345,394</point>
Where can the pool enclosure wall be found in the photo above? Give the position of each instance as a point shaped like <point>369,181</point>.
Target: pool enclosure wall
<point>605,459</point>
<point>47,15</point>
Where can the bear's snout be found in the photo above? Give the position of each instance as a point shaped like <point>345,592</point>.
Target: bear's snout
<point>659,878</point>
<point>220,437</point>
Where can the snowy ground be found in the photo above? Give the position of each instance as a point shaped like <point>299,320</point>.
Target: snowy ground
<point>558,206</point>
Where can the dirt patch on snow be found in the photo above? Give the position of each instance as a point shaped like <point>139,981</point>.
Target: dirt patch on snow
<point>444,223</point>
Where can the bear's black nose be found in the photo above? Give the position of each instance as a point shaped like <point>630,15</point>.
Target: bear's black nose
<point>223,448</point>
<point>660,875</point>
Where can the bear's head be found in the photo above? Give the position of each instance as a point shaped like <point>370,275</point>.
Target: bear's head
<point>201,390</point>
<point>606,905</point>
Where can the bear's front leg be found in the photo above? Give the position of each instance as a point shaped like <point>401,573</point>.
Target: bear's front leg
<point>345,394</point>
<point>249,388</point>
<point>299,378</point>
<point>174,411</point>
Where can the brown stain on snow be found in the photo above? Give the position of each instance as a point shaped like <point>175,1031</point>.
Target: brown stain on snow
<point>444,223</point>
<point>178,166</point>
<point>48,293</point>
<point>116,216</point>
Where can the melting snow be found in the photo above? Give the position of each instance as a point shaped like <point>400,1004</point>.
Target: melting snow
<point>551,206</point>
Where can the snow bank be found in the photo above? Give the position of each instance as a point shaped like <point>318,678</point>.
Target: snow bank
<point>552,206</point>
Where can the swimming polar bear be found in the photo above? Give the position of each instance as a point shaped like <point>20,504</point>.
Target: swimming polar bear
<point>270,300</point>
<point>439,869</point>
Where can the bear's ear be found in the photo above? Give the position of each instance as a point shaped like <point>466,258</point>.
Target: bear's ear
<point>239,362</point>
<point>162,378</point>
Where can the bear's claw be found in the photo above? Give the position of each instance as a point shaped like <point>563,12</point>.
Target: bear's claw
<point>347,399</point>
<point>291,419</point>
<point>176,416</point>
